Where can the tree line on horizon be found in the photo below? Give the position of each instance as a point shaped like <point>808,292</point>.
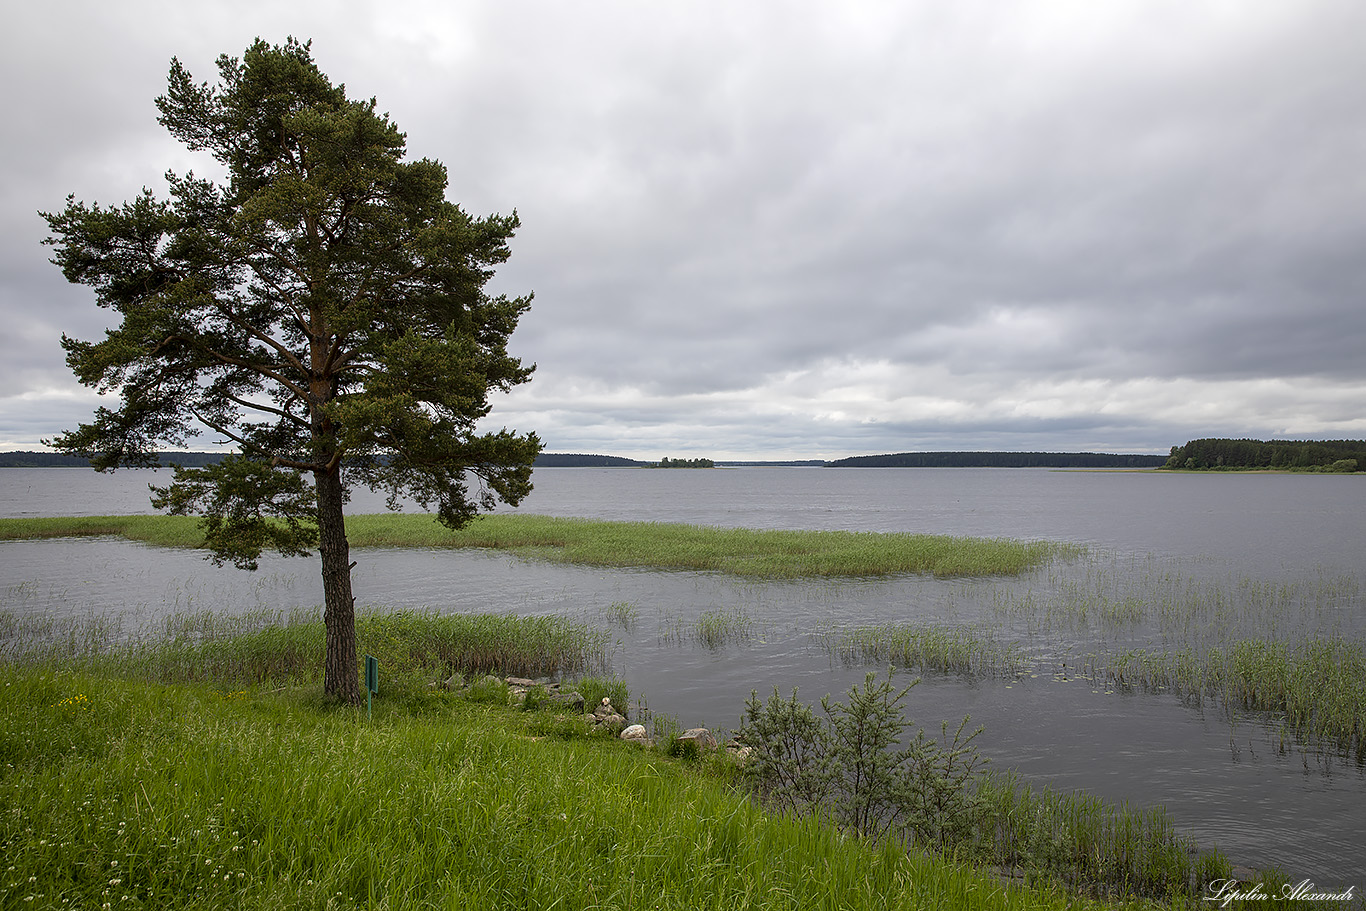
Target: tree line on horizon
<point>999,460</point>
<point>1204,454</point>
<point>1217,454</point>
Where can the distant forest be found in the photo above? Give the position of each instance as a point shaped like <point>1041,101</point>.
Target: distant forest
<point>1207,455</point>
<point>22,459</point>
<point>1000,460</point>
<point>197,459</point>
<point>579,460</point>
<point>1288,455</point>
<point>583,460</point>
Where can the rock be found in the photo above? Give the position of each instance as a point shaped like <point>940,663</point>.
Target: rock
<point>454,682</point>
<point>605,717</point>
<point>523,682</point>
<point>635,732</point>
<point>700,736</point>
<point>569,701</point>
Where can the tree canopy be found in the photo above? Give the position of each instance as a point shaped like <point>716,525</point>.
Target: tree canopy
<point>323,310</point>
<point>1290,455</point>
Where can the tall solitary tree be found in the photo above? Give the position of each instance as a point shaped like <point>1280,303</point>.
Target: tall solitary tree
<point>323,309</point>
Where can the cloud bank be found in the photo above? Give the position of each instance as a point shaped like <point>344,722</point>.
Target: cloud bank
<point>797,231</point>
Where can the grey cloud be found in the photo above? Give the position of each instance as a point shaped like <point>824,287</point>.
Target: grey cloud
<point>718,196</point>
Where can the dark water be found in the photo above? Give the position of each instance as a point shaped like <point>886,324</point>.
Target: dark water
<point>1277,555</point>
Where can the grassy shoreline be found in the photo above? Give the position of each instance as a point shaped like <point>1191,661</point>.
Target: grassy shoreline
<point>201,767</point>
<point>753,553</point>
<point>120,793</point>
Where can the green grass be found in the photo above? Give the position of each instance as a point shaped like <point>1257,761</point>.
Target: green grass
<point>740,551</point>
<point>712,629</point>
<point>955,650</point>
<point>276,648</point>
<point>1318,686</point>
<point>129,794</point>
<point>1087,843</point>
<point>165,531</point>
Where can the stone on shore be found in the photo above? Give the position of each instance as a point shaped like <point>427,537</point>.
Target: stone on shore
<point>703,738</point>
<point>636,733</point>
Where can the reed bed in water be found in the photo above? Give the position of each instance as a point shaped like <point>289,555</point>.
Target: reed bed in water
<point>949,649</point>
<point>276,647</point>
<point>1087,843</point>
<point>713,629</point>
<point>1318,685</point>
<point>166,531</point>
<point>741,551</point>
<point>1105,594</point>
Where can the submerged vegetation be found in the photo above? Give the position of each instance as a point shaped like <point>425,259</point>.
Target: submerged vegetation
<point>953,650</point>
<point>1318,686</point>
<point>713,629</point>
<point>740,551</point>
<point>1272,650</point>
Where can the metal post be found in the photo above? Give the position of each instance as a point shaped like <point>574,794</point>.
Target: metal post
<point>371,681</point>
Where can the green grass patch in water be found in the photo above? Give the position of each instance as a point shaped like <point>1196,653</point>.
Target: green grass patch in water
<point>947,649</point>
<point>768,554</point>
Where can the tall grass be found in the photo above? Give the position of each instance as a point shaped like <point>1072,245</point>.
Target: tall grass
<point>713,629</point>
<point>1087,843</point>
<point>740,551</point>
<point>166,531</point>
<point>955,650</point>
<point>1318,686</point>
<point>1109,595</point>
<point>138,795</point>
<point>282,648</point>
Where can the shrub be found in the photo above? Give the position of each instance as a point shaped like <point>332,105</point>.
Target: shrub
<point>789,746</point>
<point>852,763</point>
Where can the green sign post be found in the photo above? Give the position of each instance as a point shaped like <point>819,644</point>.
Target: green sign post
<point>371,681</point>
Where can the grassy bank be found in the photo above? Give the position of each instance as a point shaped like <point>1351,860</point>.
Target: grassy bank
<point>129,794</point>
<point>740,551</point>
<point>198,766</point>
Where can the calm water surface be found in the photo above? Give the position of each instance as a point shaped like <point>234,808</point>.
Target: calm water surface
<point>1147,533</point>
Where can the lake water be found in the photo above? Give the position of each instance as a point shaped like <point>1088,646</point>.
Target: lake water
<point>1278,555</point>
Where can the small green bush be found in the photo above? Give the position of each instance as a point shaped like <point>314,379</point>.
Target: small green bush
<point>852,763</point>
<point>855,764</point>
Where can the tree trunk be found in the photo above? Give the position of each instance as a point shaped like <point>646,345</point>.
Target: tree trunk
<point>341,672</point>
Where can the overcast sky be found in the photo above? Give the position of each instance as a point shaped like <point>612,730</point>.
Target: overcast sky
<point>803,230</point>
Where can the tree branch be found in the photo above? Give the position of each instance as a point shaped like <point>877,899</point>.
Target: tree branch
<point>245,403</point>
